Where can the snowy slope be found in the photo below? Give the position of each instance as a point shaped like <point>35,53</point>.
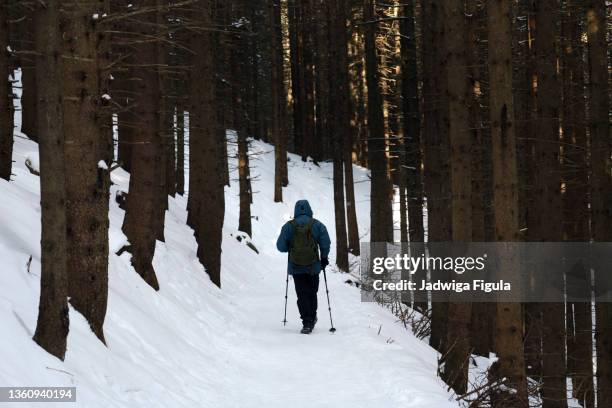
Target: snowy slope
<point>193,345</point>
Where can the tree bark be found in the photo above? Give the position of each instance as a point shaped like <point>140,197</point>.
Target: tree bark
<point>357,97</point>
<point>126,122</point>
<point>437,154</point>
<point>481,328</point>
<point>576,209</point>
<point>239,69</point>
<point>142,215</point>
<point>547,194</point>
<point>297,94</point>
<point>163,122</point>
<point>457,347</point>
<point>508,334</point>
<point>6,98</point>
<point>170,148</point>
<point>339,124</point>
<point>222,84</point>
<point>525,123</point>
<point>29,99</point>
<point>206,193</point>
<point>123,87</point>
<point>87,164</point>
<point>307,54</point>
<point>381,216</point>
<point>601,181</point>
<point>52,324</point>
<point>411,123</point>
<point>323,143</point>
<point>279,100</point>
<point>180,147</point>
<point>346,131</point>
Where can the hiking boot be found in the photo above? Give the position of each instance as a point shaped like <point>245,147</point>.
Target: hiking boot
<point>307,329</point>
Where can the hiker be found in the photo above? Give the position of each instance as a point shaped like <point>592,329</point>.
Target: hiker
<point>303,237</point>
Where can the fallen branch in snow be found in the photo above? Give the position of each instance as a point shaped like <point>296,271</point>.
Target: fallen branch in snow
<point>59,370</point>
<point>30,167</point>
<point>28,264</point>
<point>479,390</point>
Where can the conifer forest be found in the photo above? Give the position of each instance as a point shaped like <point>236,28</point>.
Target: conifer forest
<point>146,124</point>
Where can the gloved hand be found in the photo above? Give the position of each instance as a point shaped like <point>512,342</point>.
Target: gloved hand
<point>324,263</point>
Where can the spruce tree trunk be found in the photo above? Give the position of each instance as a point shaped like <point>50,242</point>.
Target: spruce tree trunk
<point>206,204</point>
<point>482,313</point>
<point>239,93</point>
<point>349,186</point>
<point>341,237</point>
<point>357,97</point>
<point>86,164</point>
<point>601,181</point>
<point>411,123</point>
<point>576,211</point>
<point>437,153</point>
<point>346,132</point>
<point>338,125</point>
<point>323,142</point>
<point>412,177</point>
<point>279,102</point>
<point>547,195</point>
<point>523,97</point>
<point>477,77</point>
<point>52,324</point>
<point>180,147</point>
<point>126,122</point>
<point>380,202</point>
<point>222,94</point>
<point>253,109</point>
<point>142,214</point>
<point>307,54</point>
<point>29,98</point>
<point>508,333</point>
<point>123,88</point>
<point>170,149</point>
<point>163,122</point>
<point>297,93</point>
<point>283,29</point>
<point>6,98</point>
<point>526,119</point>
<point>457,347</point>
<point>244,220</point>
<point>105,68</point>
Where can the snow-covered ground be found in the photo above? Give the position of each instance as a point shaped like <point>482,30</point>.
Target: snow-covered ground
<point>194,345</point>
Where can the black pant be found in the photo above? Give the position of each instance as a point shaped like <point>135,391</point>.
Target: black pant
<point>306,287</point>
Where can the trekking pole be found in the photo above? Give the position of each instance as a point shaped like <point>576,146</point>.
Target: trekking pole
<point>333,329</point>
<point>286,290</point>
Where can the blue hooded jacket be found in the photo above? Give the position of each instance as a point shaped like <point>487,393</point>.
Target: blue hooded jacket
<point>302,215</point>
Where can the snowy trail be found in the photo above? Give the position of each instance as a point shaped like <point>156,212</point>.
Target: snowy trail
<point>193,345</point>
<point>351,367</point>
<point>356,366</point>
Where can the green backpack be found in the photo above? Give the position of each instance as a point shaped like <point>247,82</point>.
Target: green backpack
<point>304,250</point>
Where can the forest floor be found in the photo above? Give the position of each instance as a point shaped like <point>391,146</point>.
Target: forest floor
<point>194,345</point>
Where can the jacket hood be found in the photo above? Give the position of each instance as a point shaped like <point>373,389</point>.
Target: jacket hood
<point>302,207</point>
